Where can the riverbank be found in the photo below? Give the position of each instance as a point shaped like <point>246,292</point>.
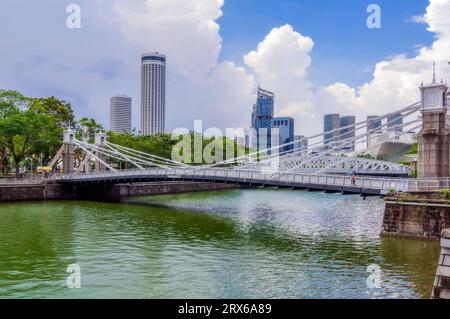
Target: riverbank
<point>243,243</point>
<point>100,192</point>
<point>419,215</point>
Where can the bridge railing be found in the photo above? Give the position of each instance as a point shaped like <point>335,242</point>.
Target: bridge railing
<point>24,180</point>
<point>384,184</point>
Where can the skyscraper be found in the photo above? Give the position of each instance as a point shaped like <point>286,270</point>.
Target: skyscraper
<point>153,93</point>
<point>285,125</point>
<point>374,126</point>
<point>301,144</point>
<point>331,122</point>
<point>394,122</point>
<point>120,114</point>
<point>348,129</point>
<point>262,116</point>
<point>374,123</point>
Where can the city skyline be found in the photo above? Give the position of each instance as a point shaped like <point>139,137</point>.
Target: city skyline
<point>216,79</point>
<point>195,153</point>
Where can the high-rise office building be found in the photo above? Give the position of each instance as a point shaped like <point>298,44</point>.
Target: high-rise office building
<point>285,126</point>
<point>262,116</point>
<point>301,144</point>
<point>120,114</point>
<point>394,121</point>
<point>374,123</point>
<point>374,126</point>
<point>348,131</point>
<point>331,125</point>
<point>153,93</point>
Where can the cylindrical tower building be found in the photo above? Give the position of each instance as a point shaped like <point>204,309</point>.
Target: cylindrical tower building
<point>153,93</point>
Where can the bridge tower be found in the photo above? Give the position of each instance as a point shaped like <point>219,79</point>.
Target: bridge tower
<point>434,139</point>
<point>100,140</point>
<point>68,152</point>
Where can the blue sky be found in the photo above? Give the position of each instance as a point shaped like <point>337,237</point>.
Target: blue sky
<point>42,57</point>
<point>345,49</point>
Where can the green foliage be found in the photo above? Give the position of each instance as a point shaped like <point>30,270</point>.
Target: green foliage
<point>30,128</point>
<point>162,145</point>
<point>91,126</point>
<point>414,149</point>
<point>159,145</point>
<point>59,110</point>
<point>445,193</point>
<point>413,174</point>
<point>367,156</point>
<point>31,132</point>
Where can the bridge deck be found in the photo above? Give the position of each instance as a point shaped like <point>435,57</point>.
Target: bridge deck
<point>330,183</point>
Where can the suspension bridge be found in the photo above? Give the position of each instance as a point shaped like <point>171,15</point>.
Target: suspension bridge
<point>314,165</point>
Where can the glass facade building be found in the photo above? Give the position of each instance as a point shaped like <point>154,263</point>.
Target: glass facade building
<point>285,126</point>
<point>348,130</point>
<point>393,121</point>
<point>374,123</point>
<point>301,144</point>
<point>331,122</point>
<point>262,116</point>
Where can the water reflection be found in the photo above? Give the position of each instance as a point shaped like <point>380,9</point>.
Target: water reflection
<point>232,244</point>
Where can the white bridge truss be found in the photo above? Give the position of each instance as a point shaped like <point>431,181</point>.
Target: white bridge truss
<point>330,165</point>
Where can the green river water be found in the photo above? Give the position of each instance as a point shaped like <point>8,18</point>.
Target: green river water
<point>256,243</point>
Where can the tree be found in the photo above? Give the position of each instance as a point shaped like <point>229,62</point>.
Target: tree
<point>59,110</point>
<point>92,128</point>
<point>11,102</point>
<point>162,145</point>
<point>31,128</point>
<point>26,134</point>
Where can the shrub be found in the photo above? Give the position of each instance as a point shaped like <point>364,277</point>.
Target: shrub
<point>445,193</point>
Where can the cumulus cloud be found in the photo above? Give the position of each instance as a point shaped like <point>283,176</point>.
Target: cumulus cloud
<point>88,66</point>
<point>395,81</point>
<point>185,30</point>
<point>199,87</point>
<point>280,64</point>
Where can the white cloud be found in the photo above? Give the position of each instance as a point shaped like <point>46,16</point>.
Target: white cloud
<point>199,87</point>
<point>396,80</point>
<point>280,64</point>
<point>185,30</point>
<point>89,65</point>
<point>416,19</point>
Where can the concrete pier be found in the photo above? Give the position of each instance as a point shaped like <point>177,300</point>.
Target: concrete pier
<point>441,289</point>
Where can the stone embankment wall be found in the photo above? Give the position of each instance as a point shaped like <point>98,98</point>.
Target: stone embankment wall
<point>441,289</point>
<point>117,192</point>
<point>416,215</point>
<point>100,192</point>
<point>20,192</point>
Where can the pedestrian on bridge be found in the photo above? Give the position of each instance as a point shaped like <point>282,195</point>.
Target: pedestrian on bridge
<point>354,179</point>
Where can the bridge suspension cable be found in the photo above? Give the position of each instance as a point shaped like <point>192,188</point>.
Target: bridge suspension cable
<point>296,151</point>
